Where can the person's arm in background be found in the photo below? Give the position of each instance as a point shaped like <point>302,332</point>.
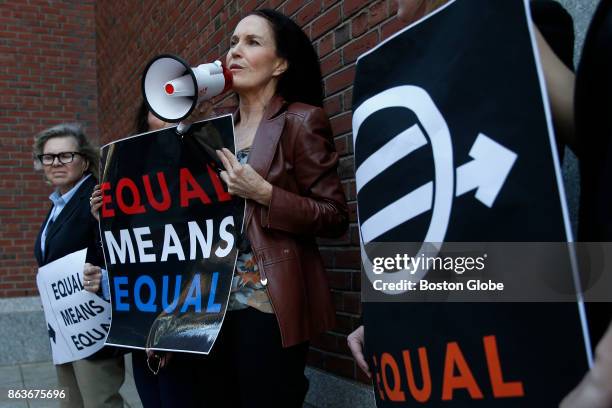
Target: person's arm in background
<point>595,390</point>
<point>356,341</point>
<point>560,87</point>
<point>554,31</point>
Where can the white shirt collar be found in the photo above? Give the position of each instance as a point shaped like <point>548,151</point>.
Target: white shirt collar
<point>58,199</point>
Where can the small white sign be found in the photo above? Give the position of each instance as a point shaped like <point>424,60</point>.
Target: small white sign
<point>78,321</point>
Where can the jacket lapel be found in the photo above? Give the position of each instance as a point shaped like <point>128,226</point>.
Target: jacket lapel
<point>265,143</point>
<point>267,136</point>
<point>37,251</point>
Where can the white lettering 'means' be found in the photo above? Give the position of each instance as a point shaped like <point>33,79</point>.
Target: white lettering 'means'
<point>122,250</point>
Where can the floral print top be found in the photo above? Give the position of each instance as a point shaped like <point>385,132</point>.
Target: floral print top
<point>247,289</point>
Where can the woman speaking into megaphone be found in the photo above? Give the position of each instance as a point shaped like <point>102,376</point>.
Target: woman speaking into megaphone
<point>172,89</point>
<point>285,167</point>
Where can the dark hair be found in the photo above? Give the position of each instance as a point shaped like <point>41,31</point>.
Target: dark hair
<point>301,82</point>
<point>142,122</point>
<point>87,149</point>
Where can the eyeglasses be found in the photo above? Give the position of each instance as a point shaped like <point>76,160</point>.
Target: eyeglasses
<point>63,158</point>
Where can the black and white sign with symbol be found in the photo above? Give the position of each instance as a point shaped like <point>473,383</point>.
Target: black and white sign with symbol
<point>486,172</point>
<point>452,141</point>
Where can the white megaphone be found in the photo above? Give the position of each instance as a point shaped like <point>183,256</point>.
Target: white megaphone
<point>172,89</point>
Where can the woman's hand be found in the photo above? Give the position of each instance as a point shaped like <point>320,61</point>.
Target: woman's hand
<point>243,180</point>
<point>95,202</point>
<point>206,110</point>
<point>92,276</point>
<point>355,342</point>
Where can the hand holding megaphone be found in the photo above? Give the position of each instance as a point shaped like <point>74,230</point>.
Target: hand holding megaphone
<point>172,89</point>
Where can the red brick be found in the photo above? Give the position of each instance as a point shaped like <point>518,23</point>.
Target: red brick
<point>339,280</point>
<point>351,6</point>
<point>292,6</point>
<point>345,323</point>
<point>357,47</point>
<point>55,58</point>
<point>331,63</point>
<point>349,189</point>
<point>391,27</point>
<point>325,341</point>
<point>308,13</point>
<point>340,80</point>
<point>341,145</point>
<point>328,257</point>
<point>326,45</point>
<point>356,277</point>
<point>393,6</point>
<point>348,98</point>
<point>342,123</point>
<point>328,20</point>
<point>377,13</point>
<point>341,365</point>
<point>332,106</point>
<point>352,303</point>
<point>316,358</point>
<point>348,258</point>
<point>359,24</point>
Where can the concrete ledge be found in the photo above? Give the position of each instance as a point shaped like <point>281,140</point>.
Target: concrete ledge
<point>23,334</point>
<point>328,390</point>
<point>24,339</point>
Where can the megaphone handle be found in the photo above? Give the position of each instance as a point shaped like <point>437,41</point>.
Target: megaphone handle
<point>182,128</point>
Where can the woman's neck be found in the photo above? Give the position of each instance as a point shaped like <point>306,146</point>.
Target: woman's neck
<point>253,105</point>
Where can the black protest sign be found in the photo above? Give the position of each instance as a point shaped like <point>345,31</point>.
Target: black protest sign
<point>169,231</point>
<point>453,144</point>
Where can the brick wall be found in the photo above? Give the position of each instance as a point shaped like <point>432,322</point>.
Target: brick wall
<point>131,33</point>
<point>47,76</point>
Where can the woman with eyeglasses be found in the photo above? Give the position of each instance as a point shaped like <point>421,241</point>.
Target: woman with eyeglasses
<point>70,164</point>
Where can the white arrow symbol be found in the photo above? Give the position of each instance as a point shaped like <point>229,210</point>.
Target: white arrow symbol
<point>487,172</point>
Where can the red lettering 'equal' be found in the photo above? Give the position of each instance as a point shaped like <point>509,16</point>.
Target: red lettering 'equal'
<point>465,379</point>
<point>106,199</point>
<point>187,180</point>
<point>422,394</point>
<point>222,195</point>
<point>381,394</point>
<point>163,186</point>
<point>136,207</point>
<point>501,389</point>
<point>395,394</point>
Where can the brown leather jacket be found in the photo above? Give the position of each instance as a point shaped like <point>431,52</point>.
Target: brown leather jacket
<point>293,149</point>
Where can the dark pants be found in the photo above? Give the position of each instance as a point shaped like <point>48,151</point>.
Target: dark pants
<point>248,367</point>
<point>172,387</point>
